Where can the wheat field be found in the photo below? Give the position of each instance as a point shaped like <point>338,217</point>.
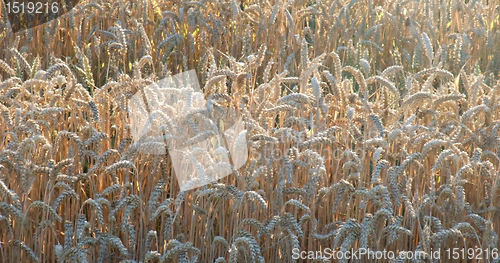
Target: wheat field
<point>369,125</point>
